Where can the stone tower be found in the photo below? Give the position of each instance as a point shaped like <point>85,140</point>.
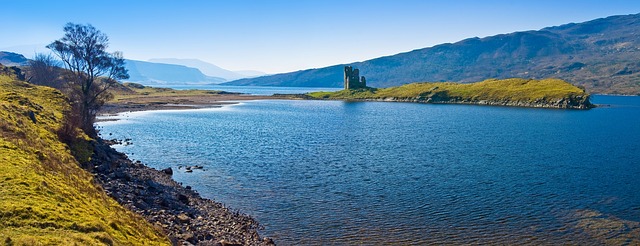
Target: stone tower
<point>352,79</point>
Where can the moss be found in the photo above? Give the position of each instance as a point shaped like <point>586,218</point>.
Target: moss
<point>45,197</point>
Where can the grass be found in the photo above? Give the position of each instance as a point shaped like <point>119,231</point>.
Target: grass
<point>516,89</point>
<point>134,90</point>
<point>45,197</point>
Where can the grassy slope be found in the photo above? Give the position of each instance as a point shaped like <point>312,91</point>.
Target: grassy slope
<point>45,197</point>
<point>499,90</point>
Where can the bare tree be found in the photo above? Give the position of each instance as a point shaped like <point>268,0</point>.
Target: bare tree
<point>91,70</point>
<point>44,69</point>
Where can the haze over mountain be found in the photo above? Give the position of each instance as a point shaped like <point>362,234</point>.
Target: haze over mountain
<point>12,59</point>
<point>209,69</point>
<point>603,55</point>
<point>28,50</point>
<point>150,73</point>
<point>147,73</point>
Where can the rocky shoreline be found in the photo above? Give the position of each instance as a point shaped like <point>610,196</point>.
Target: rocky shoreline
<point>180,212</point>
<point>578,102</point>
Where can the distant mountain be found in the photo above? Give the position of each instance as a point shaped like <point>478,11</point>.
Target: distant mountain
<point>209,69</point>
<point>602,55</point>
<point>13,59</point>
<point>29,50</point>
<point>150,73</point>
<point>147,73</point>
<point>250,73</point>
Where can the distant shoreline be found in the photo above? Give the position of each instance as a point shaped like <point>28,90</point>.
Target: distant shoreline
<point>143,103</point>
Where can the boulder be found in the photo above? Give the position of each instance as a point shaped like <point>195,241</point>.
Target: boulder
<point>167,171</point>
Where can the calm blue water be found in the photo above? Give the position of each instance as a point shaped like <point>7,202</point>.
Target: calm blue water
<point>253,90</point>
<point>331,172</point>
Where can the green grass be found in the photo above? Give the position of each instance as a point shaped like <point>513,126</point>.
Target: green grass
<point>524,90</point>
<point>45,197</point>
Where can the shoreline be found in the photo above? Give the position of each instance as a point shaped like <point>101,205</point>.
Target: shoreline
<point>513,104</point>
<point>142,103</point>
<point>179,211</point>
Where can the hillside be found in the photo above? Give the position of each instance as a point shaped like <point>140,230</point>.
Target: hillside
<point>150,73</point>
<point>601,55</point>
<point>13,59</point>
<point>547,93</point>
<point>45,197</point>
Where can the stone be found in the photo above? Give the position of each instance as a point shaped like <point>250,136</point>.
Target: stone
<point>268,241</point>
<point>189,237</point>
<point>32,116</point>
<point>184,199</point>
<point>168,171</point>
<point>227,243</point>
<point>183,218</point>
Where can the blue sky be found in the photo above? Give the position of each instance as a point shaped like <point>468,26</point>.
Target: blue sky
<point>282,36</point>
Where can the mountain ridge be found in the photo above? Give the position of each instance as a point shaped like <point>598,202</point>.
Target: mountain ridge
<point>209,69</point>
<point>600,55</point>
<point>13,59</point>
<point>150,73</point>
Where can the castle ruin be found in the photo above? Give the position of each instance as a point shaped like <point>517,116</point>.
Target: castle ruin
<point>352,79</point>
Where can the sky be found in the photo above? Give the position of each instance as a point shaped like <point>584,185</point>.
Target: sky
<point>276,36</point>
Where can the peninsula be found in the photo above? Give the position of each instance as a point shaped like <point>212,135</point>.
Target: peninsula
<point>545,93</point>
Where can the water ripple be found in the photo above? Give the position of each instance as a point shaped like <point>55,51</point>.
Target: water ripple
<point>337,173</point>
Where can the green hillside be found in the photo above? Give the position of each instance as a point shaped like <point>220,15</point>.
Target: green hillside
<point>547,93</point>
<point>45,197</point>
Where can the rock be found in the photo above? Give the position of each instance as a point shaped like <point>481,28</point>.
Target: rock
<point>32,116</point>
<point>268,241</point>
<point>183,218</point>
<point>189,237</point>
<point>227,243</point>
<point>184,199</point>
<point>167,171</point>
<point>165,203</point>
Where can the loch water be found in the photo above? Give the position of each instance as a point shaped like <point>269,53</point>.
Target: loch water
<point>342,173</point>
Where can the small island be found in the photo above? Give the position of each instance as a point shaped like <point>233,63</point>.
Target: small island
<point>518,92</point>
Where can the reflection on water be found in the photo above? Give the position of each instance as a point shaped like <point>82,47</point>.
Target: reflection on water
<point>329,172</point>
